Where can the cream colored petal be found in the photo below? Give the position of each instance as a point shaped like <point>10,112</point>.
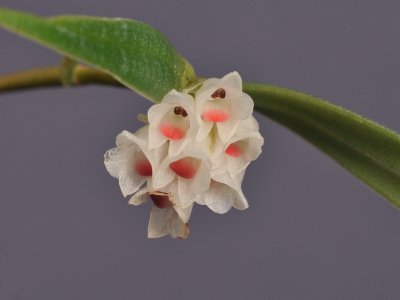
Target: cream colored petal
<point>220,197</point>
<point>236,164</point>
<point>159,223</point>
<point>204,130</point>
<point>176,147</point>
<point>131,183</point>
<point>155,115</point>
<point>142,196</point>
<point>227,129</point>
<point>113,160</point>
<point>177,228</point>
<point>185,192</point>
<point>240,200</point>
<point>184,213</point>
<point>163,176</point>
<point>243,105</point>
<point>232,81</point>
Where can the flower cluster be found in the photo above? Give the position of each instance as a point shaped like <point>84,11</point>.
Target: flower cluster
<point>195,149</point>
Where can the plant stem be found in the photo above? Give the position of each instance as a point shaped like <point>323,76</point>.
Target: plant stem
<point>52,76</point>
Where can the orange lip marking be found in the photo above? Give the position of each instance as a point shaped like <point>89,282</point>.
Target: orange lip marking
<point>172,132</point>
<point>215,115</point>
<point>233,150</point>
<point>143,168</point>
<point>185,167</point>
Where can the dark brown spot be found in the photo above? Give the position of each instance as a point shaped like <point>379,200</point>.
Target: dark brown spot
<point>161,201</point>
<point>220,93</point>
<point>179,110</point>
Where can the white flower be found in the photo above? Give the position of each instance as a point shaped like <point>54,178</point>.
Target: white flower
<point>194,150</point>
<point>241,149</point>
<point>131,161</point>
<point>165,216</point>
<point>172,120</point>
<point>222,102</point>
<point>221,197</point>
<point>190,171</point>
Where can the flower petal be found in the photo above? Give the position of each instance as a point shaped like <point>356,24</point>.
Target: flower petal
<point>220,197</point>
<point>227,129</point>
<point>155,115</point>
<point>240,200</point>
<point>131,183</point>
<point>193,190</point>
<point>177,228</point>
<point>163,176</point>
<point>204,130</point>
<point>184,213</point>
<point>232,81</point>
<point>246,105</point>
<point>140,197</point>
<point>159,221</point>
<point>113,160</point>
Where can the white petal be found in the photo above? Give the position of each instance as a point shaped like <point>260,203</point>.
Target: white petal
<point>237,165</point>
<point>250,124</point>
<point>123,139</point>
<point>159,222</point>
<point>240,200</point>
<point>254,142</point>
<point>201,182</point>
<point>232,81</point>
<point>185,192</point>
<point>155,115</point>
<point>227,129</point>
<point>140,197</point>
<point>157,156</point>
<point>139,138</point>
<point>244,106</point>
<point>156,112</point>
<point>175,98</point>
<point>207,85</point>
<point>226,178</point>
<point>131,183</point>
<point>163,176</point>
<point>156,138</point>
<point>176,147</point>
<point>177,228</point>
<point>184,213</point>
<point>113,160</point>
<point>204,130</point>
<point>204,93</point>
<point>193,190</point>
<point>220,197</point>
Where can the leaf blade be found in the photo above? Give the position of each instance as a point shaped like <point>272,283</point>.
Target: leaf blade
<point>366,149</point>
<point>135,53</point>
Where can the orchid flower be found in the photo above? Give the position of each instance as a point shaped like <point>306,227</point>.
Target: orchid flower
<point>131,161</point>
<point>194,150</point>
<point>223,103</point>
<point>172,120</point>
<point>165,216</point>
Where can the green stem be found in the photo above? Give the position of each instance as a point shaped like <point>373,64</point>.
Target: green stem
<point>52,76</point>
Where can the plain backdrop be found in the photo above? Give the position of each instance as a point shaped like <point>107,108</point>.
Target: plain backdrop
<point>312,230</point>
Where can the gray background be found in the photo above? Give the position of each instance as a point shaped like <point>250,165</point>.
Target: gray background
<point>312,231</point>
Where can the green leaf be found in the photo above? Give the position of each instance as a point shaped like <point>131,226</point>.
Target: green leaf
<point>134,53</point>
<point>368,150</point>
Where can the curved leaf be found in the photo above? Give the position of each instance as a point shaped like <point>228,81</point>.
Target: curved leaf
<point>368,150</point>
<point>135,53</point>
